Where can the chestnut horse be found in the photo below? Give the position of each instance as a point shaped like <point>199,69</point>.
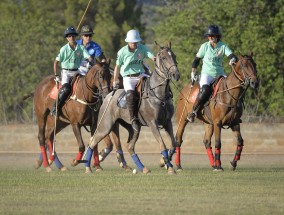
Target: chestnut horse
<point>224,108</point>
<point>80,110</point>
<point>155,110</point>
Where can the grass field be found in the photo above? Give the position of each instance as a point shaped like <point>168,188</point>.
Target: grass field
<point>256,187</point>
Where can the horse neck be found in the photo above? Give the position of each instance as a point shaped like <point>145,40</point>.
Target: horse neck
<point>88,86</point>
<point>159,85</point>
<point>233,86</point>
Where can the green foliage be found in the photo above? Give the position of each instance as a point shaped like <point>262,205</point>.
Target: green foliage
<point>247,25</point>
<point>32,33</point>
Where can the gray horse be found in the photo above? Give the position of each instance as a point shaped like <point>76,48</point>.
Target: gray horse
<point>155,110</point>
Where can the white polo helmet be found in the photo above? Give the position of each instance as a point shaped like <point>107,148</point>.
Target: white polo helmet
<point>132,36</point>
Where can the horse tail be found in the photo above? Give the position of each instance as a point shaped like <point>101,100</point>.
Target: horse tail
<point>25,97</point>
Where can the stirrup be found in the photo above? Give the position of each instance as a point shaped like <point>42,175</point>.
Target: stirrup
<point>191,117</point>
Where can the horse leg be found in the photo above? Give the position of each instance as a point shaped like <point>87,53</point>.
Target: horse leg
<point>207,142</point>
<point>77,131</point>
<point>237,132</point>
<point>163,148</point>
<point>217,133</point>
<point>179,134</point>
<point>105,152</point>
<point>119,152</point>
<point>41,138</point>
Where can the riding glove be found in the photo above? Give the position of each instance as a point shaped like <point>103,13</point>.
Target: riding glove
<point>232,61</point>
<point>57,79</point>
<point>193,75</point>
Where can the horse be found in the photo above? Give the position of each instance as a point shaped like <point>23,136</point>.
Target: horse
<point>80,110</point>
<point>224,108</point>
<point>155,110</point>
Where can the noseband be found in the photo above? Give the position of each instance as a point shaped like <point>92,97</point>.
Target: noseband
<point>165,71</point>
<point>246,77</point>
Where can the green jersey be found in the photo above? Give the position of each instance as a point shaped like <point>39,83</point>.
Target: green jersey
<point>212,58</point>
<point>71,59</point>
<point>131,62</point>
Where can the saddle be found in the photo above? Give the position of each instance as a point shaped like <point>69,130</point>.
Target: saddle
<point>139,88</point>
<point>74,81</point>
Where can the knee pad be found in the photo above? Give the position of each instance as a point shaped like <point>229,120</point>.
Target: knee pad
<point>205,92</point>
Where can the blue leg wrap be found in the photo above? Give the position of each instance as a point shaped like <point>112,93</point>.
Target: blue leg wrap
<point>138,163</point>
<point>120,152</point>
<point>40,157</point>
<point>57,162</point>
<point>166,158</point>
<point>171,153</point>
<point>89,157</point>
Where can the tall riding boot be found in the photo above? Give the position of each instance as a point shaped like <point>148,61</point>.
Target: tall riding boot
<point>133,109</point>
<point>62,96</point>
<point>202,97</point>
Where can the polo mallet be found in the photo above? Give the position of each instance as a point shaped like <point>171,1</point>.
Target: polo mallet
<point>185,104</point>
<point>55,119</point>
<point>85,153</point>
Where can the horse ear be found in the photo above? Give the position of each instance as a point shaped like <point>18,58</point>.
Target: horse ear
<point>157,45</point>
<point>240,55</point>
<point>251,53</point>
<point>170,44</point>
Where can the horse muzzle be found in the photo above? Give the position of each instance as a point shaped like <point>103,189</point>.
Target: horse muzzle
<point>174,73</point>
<point>253,83</point>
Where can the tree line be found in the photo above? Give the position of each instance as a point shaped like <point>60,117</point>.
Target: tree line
<point>32,34</point>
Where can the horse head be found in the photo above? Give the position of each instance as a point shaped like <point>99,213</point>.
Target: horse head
<point>99,77</point>
<point>166,62</point>
<point>247,71</point>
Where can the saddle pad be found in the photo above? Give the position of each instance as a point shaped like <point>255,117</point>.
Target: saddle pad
<point>193,95</point>
<point>121,101</point>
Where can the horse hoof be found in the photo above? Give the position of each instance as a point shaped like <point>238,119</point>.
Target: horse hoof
<point>98,168</point>
<point>171,171</point>
<point>218,169</point>
<point>50,162</point>
<point>48,169</point>
<point>233,165</point>
<point>146,170</point>
<point>127,168</point>
<point>179,168</point>
<point>88,170</point>
<point>74,163</point>
<point>63,169</point>
<point>37,164</point>
<point>162,163</point>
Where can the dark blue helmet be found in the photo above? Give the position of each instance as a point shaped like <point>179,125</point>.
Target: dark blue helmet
<point>70,30</point>
<point>213,30</point>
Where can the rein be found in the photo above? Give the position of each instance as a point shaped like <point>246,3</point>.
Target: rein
<point>96,94</point>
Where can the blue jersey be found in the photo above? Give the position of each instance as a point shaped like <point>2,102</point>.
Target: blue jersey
<point>93,48</point>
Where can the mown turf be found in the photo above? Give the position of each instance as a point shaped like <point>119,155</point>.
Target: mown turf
<point>193,191</point>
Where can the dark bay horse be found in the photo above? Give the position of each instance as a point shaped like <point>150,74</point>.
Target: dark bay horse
<point>224,109</point>
<point>155,110</point>
<point>80,110</point>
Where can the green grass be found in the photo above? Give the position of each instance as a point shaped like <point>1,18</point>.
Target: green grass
<point>193,191</point>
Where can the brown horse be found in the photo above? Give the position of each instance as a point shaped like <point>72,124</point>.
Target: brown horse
<point>224,109</point>
<point>80,110</point>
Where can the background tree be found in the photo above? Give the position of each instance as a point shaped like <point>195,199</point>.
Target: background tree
<point>32,34</point>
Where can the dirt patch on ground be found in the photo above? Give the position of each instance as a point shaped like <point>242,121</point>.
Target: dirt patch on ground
<point>259,139</point>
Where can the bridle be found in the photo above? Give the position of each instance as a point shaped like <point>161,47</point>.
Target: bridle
<point>161,69</point>
<point>97,92</point>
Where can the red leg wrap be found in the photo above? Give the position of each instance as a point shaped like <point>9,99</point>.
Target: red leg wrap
<point>217,157</point>
<point>79,156</point>
<point>96,156</point>
<point>50,148</point>
<point>44,156</point>
<point>177,155</point>
<point>210,156</point>
<point>238,153</point>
